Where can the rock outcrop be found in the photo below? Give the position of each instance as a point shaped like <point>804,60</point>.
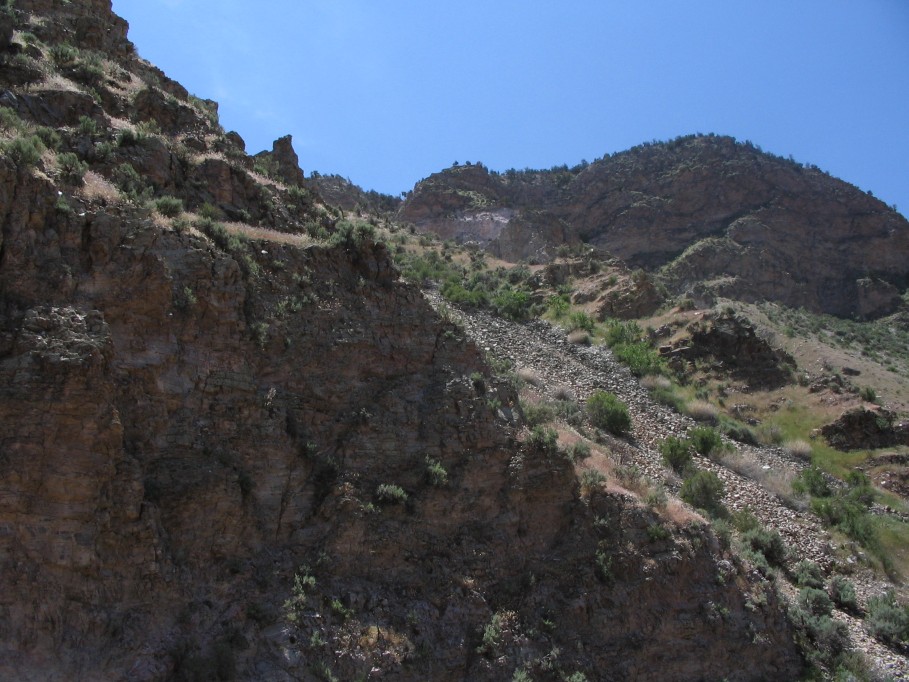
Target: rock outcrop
<point>704,211</point>
<point>733,345</point>
<point>861,428</point>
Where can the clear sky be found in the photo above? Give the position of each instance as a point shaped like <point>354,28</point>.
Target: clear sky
<point>386,92</point>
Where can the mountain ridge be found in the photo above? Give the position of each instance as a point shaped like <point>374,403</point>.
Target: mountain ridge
<point>655,202</point>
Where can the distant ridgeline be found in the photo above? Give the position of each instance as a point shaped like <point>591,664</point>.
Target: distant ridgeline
<point>702,211</point>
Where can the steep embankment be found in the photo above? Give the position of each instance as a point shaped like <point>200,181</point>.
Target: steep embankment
<point>540,350</point>
<point>708,212</point>
<point>269,458</point>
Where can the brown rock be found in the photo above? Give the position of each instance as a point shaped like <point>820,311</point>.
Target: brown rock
<point>285,161</point>
<point>732,341</point>
<point>862,428</point>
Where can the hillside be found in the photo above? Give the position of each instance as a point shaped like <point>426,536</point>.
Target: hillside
<point>706,214</point>
<point>236,444</point>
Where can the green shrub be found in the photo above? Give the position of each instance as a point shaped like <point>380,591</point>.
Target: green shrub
<point>657,532</point>
<point>351,235</point>
<point>768,543</point>
<point>131,183</point>
<point>809,574</point>
<point>538,413</point>
<point>842,592</point>
<point>388,493</point>
<point>739,432</point>
<point>849,515</point>
<point>49,136</point>
<point>868,394</point>
<point>676,453</point>
<point>435,473</point>
<point>888,620</point>
<point>619,333</point>
<point>706,440</point>
<point>512,304</point>
<point>9,120</point>
<point>456,293</point>
<point>544,440</point>
<point>640,358</point>
<point>591,479</point>
<point>656,496</point>
<point>558,306</point>
<point>668,395</point>
<point>71,168</point>
<point>579,450</point>
<point>88,127</point>
<point>827,638</point>
<point>811,481</point>
<point>129,138</point>
<point>703,490</point>
<point>745,520</point>
<point>815,601</point>
<point>581,320</point>
<point>606,411</point>
<point>25,152</point>
<point>169,207</point>
<point>576,677</point>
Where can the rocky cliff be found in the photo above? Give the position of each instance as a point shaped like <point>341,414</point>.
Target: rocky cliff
<point>706,212</point>
<point>235,445</point>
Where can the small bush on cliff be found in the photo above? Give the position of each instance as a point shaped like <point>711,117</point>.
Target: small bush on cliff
<point>512,304</point>
<point>25,151</point>
<point>49,136</point>
<point>640,358</point>
<point>842,592</point>
<point>538,413</point>
<point>579,451</point>
<point>131,183</point>
<point>888,620</point>
<point>544,440</point>
<point>169,207</point>
<point>768,543</point>
<point>811,481</point>
<point>606,411</point>
<point>435,473</point>
<point>9,120</point>
<point>352,234</point>
<point>89,127</point>
<point>706,440</point>
<point>809,574</point>
<point>676,453</point>
<point>71,168</point>
<point>388,493</point>
<point>703,490</point>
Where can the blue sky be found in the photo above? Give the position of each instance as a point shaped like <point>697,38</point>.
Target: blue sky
<point>387,92</point>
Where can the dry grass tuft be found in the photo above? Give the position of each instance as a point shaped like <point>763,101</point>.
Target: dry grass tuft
<point>563,392</point>
<point>529,376</point>
<point>799,448</point>
<point>579,338</point>
<point>656,381</point>
<point>775,481</point>
<point>702,411</point>
<point>268,235</point>
<point>96,187</point>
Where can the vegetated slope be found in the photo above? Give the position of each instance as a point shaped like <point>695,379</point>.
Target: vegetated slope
<point>707,212</point>
<point>247,449</point>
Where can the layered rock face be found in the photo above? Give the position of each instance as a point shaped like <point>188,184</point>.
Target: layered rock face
<point>701,209</point>
<point>271,460</point>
